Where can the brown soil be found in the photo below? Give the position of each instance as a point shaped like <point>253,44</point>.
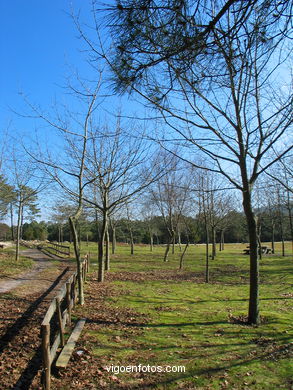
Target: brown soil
<point>22,309</point>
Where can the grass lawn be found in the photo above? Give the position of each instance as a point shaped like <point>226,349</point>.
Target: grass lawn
<point>150,313</point>
<point>8,265</point>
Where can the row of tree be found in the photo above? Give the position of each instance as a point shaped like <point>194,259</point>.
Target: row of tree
<point>274,224</point>
<point>20,199</point>
<point>212,71</point>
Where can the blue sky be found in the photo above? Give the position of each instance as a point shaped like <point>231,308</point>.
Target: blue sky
<point>38,38</point>
<point>39,48</point>
<point>39,45</point>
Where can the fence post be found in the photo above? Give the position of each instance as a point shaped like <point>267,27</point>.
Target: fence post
<point>68,299</point>
<point>73,293</point>
<point>58,306</point>
<point>45,332</point>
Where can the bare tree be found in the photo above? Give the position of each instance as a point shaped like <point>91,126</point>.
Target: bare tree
<point>224,64</point>
<point>170,195</point>
<point>148,213</point>
<point>67,168</point>
<point>26,186</point>
<point>122,168</point>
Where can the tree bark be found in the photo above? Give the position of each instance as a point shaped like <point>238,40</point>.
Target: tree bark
<point>11,222</point>
<point>131,242</point>
<point>282,239</point>
<point>182,256</point>
<point>167,252</point>
<point>101,270</point>
<point>273,236</point>
<point>173,242</point>
<point>179,240</point>
<point>259,240</point>
<point>214,249</point>
<point>107,254</point>
<point>72,223</point>
<point>253,310</point>
<point>223,239</point>
<point>207,254</point>
<point>21,223</point>
<point>18,229</point>
<point>290,218</point>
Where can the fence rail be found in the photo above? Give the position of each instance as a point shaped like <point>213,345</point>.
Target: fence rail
<point>59,249</point>
<point>56,318</point>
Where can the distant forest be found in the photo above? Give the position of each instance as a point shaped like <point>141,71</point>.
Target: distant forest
<point>143,231</point>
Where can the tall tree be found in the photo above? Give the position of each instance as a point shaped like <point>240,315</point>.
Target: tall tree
<point>123,167</point>
<point>170,195</point>
<point>68,169</point>
<point>223,59</point>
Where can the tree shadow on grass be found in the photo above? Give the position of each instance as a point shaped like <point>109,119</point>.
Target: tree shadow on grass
<point>193,373</point>
<point>159,325</point>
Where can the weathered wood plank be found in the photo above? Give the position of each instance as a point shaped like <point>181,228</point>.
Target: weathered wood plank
<point>60,322</point>
<point>66,353</point>
<point>54,347</point>
<point>45,332</point>
<point>50,312</point>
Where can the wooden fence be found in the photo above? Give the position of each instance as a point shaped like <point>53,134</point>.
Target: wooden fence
<point>59,249</point>
<point>56,318</point>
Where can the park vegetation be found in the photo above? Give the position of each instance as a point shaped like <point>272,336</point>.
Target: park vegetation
<point>212,164</point>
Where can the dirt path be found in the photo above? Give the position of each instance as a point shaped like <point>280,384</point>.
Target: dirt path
<point>21,313</point>
<point>42,262</point>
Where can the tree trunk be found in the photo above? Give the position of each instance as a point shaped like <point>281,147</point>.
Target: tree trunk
<point>290,219</point>
<point>214,249</point>
<point>221,243</point>
<point>283,243</point>
<point>282,234</point>
<point>259,240</point>
<point>21,223</point>
<point>273,236</point>
<point>182,256</point>
<point>131,242</point>
<point>72,223</point>
<point>173,242</point>
<point>11,222</point>
<point>18,229</point>
<point>167,252</point>
<point>179,240</point>
<point>107,254</point>
<point>207,253</point>
<point>101,270</point>
<point>223,239</point>
<point>253,310</point>
<point>151,241</point>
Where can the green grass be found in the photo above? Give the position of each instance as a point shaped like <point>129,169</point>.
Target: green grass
<point>187,322</point>
<point>8,265</point>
